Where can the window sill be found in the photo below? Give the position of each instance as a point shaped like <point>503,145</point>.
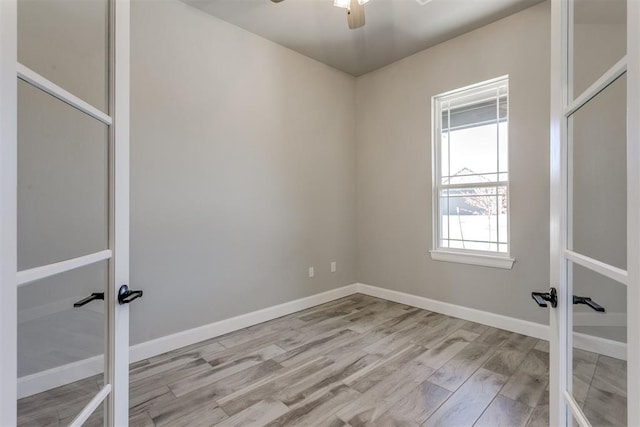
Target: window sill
<point>485,260</point>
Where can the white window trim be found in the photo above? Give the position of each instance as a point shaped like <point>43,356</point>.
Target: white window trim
<point>463,256</point>
<point>488,259</point>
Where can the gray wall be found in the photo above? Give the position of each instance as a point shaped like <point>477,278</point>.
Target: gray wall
<point>242,175</point>
<point>394,167</point>
<point>242,171</point>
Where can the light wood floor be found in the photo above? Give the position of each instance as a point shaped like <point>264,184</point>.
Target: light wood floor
<point>355,361</point>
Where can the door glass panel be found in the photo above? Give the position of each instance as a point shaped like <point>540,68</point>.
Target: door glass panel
<point>52,334</point>
<point>599,376</point>
<point>66,41</point>
<point>599,209</point>
<point>599,39</point>
<point>62,180</point>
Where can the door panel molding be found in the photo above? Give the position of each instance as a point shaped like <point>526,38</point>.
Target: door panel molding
<point>88,410</point>
<point>36,80</point>
<point>613,273</point>
<point>31,275</point>
<point>598,86</point>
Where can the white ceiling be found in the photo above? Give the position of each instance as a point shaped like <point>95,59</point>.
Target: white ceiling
<point>394,28</point>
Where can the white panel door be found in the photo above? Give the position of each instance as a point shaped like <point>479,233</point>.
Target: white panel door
<point>594,213</point>
<point>65,211</point>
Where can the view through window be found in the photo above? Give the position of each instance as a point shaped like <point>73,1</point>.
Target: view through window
<point>471,210</point>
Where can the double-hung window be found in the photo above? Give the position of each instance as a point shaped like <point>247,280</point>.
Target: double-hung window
<point>471,174</point>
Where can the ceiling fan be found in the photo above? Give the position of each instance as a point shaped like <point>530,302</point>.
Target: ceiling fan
<point>355,11</point>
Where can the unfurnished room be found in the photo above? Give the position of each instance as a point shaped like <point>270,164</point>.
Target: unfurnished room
<point>342,213</point>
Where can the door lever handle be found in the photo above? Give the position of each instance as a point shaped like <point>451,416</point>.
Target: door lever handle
<point>126,295</point>
<point>87,300</point>
<point>588,301</point>
<point>541,298</point>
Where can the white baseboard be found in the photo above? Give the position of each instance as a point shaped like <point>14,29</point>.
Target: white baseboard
<point>56,377</point>
<point>61,375</point>
<point>615,349</point>
<point>593,318</point>
<point>212,330</point>
<point>591,343</point>
<point>524,327</point>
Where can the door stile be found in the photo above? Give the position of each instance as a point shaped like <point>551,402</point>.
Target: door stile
<point>8,212</point>
<point>633,206</point>
<point>118,320</point>
<point>557,154</point>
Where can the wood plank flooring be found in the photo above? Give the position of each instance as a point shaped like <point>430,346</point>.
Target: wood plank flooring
<point>351,362</point>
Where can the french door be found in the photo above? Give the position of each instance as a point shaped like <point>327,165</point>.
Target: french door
<point>595,213</point>
<point>64,117</point>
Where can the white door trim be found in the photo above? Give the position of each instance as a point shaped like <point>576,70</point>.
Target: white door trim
<point>558,319</point>
<point>633,205</point>
<point>8,211</point>
<point>118,315</point>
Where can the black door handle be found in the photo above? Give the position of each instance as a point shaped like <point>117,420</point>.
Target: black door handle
<point>541,298</point>
<point>588,301</point>
<point>126,295</point>
<point>87,300</point>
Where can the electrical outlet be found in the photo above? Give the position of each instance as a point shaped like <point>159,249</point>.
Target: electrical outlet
<point>334,266</point>
<point>311,272</point>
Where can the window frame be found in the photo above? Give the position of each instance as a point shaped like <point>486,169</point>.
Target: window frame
<point>466,256</point>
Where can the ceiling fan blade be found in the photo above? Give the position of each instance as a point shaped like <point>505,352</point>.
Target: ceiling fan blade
<point>355,15</point>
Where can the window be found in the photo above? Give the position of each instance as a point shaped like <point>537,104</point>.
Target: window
<point>471,175</point>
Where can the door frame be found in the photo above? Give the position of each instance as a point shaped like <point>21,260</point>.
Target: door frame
<point>557,181</point>
<point>633,204</point>
<point>117,354</point>
<point>117,360</point>
<point>8,212</point>
<point>560,362</point>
